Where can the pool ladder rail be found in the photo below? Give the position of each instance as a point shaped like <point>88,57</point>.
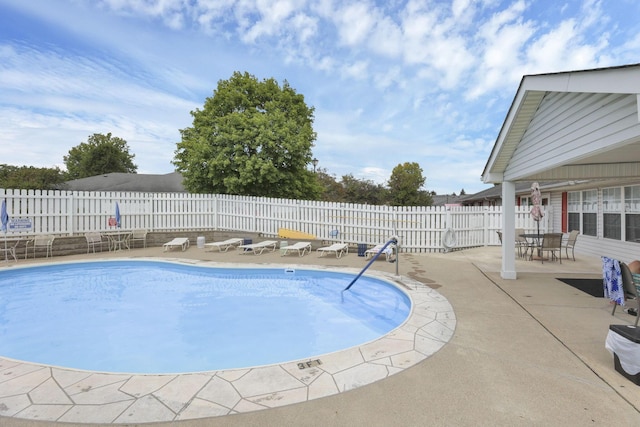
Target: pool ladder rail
<point>393,240</point>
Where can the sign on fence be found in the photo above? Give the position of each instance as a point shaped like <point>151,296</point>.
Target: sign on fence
<point>20,224</point>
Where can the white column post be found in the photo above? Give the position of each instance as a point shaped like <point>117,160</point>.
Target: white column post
<point>508,230</point>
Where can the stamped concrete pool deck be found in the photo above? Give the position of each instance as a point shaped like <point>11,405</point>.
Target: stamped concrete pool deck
<point>479,350</point>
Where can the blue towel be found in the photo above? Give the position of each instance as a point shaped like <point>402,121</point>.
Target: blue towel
<point>612,280</point>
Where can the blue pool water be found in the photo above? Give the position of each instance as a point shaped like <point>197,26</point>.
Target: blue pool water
<point>160,317</point>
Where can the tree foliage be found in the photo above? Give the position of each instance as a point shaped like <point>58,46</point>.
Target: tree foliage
<point>101,154</point>
<point>404,186</point>
<point>30,178</point>
<point>251,138</point>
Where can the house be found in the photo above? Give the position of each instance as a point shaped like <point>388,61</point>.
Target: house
<point>146,183</point>
<point>578,134</point>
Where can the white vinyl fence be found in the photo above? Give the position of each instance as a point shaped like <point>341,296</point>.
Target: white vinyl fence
<point>420,229</point>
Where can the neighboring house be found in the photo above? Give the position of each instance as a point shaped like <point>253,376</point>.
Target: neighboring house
<point>168,183</point>
<point>445,199</point>
<point>577,134</point>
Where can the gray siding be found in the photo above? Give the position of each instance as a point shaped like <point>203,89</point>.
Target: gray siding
<point>572,125</point>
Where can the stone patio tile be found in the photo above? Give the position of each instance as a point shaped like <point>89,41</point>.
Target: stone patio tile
<point>145,410</point>
<point>24,383</point>
<point>407,359</point>
<point>281,398</point>
<point>199,408</point>
<point>307,375</point>
<point>221,392</point>
<point>427,345</point>
<point>360,375</point>
<point>49,392</point>
<point>181,390</point>
<point>247,406</point>
<point>322,386</point>
<point>100,395</point>
<point>44,412</point>
<point>436,330</point>
<point>106,413</point>
<point>66,377</point>
<point>268,379</point>
<point>385,347</point>
<point>95,381</point>
<point>7,364</point>
<point>336,362</point>
<point>402,334</point>
<point>11,405</point>
<point>141,385</point>
<point>232,375</point>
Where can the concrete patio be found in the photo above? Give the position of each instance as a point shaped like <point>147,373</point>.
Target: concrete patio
<point>524,352</point>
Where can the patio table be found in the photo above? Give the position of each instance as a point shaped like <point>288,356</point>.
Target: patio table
<point>118,239</point>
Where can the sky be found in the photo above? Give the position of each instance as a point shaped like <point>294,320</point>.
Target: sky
<point>390,81</point>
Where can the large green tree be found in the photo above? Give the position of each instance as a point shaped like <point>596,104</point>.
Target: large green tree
<point>30,178</point>
<point>99,155</point>
<point>404,186</point>
<point>251,138</point>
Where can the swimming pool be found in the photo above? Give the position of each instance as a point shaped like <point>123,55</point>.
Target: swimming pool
<point>162,317</point>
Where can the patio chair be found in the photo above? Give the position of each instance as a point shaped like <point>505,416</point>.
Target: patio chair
<point>178,242</point>
<point>138,236</point>
<point>571,243</point>
<point>388,252</point>
<point>224,245</point>
<point>258,248</point>
<point>522,244</point>
<point>9,248</point>
<point>301,248</point>
<point>41,242</point>
<point>338,248</point>
<point>552,244</point>
<point>94,239</point>
<point>629,289</point>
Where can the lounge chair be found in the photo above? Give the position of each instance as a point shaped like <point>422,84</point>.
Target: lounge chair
<point>338,248</point>
<point>224,245</point>
<point>178,242</point>
<point>300,247</point>
<point>258,248</point>
<point>388,252</point>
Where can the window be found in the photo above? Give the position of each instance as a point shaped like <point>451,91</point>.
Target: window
<point>612,213</point>
<point>590,212</point>
<point>632,213</point>
<point>582,211</point>
<point>573,211</point>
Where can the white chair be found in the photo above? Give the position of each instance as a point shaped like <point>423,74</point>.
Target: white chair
<point>301,248</point>
<point>258,248</point>
<point>224,245</point>
<point>41,242</point>
<point>9,248</point>
<point>94,239</point>
<point>138,236</point>
<point>178,242</point>
<point>388,251</point>
<point>571,244</point>
<point>338,248</point>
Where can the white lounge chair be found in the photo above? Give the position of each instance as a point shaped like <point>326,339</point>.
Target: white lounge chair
<point>339,249</point>
<point>260,246</point>
<point>224,245</point>
<point>178,242</point>
<point>300,247</point>
<point>388,251</point>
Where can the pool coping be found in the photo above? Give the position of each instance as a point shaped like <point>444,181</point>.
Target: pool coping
<point>39,392</point>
